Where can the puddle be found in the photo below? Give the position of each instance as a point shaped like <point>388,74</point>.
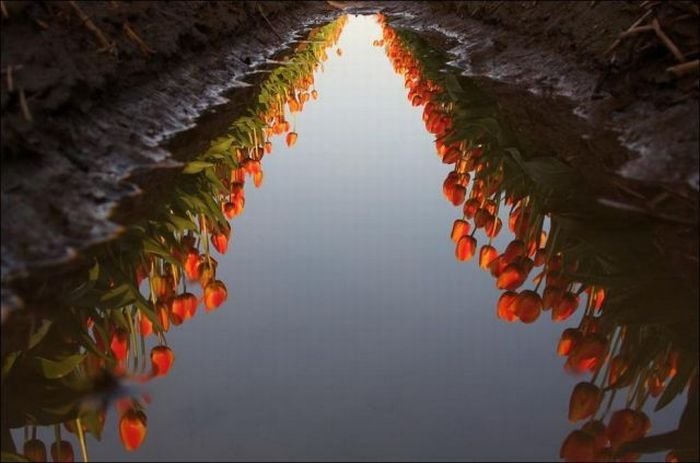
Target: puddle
<point>326,281</point>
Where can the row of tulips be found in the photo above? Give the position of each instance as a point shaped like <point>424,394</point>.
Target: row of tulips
<point>122,315</point>
<point>477,186</point>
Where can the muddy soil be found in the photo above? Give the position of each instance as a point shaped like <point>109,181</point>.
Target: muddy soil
<point>628,85</point>
<point>91,118</point>
<point>99,118</point>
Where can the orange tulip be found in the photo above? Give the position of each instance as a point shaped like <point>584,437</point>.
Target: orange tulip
<point>206,271</point>
<point>132,429</point>
<point>515,248</point>
<point>588,354</point>
<point>512,277</point>
<point>460,228</point>
<point>493,227</point>
<point>566,307</point>
<point>119,343</point>
<point>505,309</point>
<point>481,218</point>
<point>598,431</point>
<point>163,315</point>
<point>183,308</point>
<point>452,155</point>
<point>466,246</point>
<point>470,207</point>
<point>215,294</point>
<point>192,261</point>
<point>497,266</point>
<point>162,358</point>
<point>145,325</point>
<point>487,254</point>
<point>551,297</point>
<point>62,451</point>
<point>258,179</point>
<point>291,138</point>
<point>585,401</point>
<point>162,286</point>
<point>627,425</point>
<point>569,338</point>
<point>35,450</point>
<point>220,242</point>
<point>314,94</point>
<point>528,306</point>
<point>556,279</point>
<point>540,257</point>
<point>578,446</point>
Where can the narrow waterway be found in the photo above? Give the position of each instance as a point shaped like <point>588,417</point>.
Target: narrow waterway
<point>350,331</point>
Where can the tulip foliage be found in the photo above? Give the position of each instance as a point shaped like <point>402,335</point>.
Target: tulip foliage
<point>560,243</point>
<point>155,277</point>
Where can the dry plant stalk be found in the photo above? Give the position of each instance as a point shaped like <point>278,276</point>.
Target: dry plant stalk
<point>683,69</point>
<point>23,104</point>
<point>132,35</point>
<point>633,26</point>
<point>667,41</point>
<point>106,44</point>
<point>269,23</point>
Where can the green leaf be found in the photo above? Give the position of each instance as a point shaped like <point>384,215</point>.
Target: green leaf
<point>39,334</point>
<point>8,362</point>
<point>54,369</point>
<point>182,223</point>
<point>196,167</point>
<point>91,420</point>
<point>94,271</point>
<point>10,456</point>
<point>686,369</point>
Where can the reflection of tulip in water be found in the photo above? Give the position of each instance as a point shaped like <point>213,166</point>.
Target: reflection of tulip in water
<point>183,307</point>
<point>487,254</point>
<point>162,358</point>
<point>466,247</point>
<point>35,450</point>
<point>505,309</point>
<point>120,343</point>
<point>584,402</point>
<point>627,425</point>
<point>460,228</point>
<point>578,446</point>
<point>132,429</point>
<point>215,294</point>
<point>569,338</point>
<point>528,306</point>
<point>62,451</point>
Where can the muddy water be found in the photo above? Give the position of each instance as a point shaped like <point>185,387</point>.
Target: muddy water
<point>350,331</point>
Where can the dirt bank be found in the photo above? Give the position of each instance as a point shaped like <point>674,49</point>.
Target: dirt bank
<point>90,92</point>
<point>77,119</point>
<point>628,87</point>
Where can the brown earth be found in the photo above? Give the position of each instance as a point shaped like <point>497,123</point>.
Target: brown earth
<point>99,118</point>
<point>93,117</point>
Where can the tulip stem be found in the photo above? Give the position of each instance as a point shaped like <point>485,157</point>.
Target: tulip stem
<point>81,437</point>
<point>57,437</point>
<point>612,353</point>
<point>143,353</point>
<point>609,404</point>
